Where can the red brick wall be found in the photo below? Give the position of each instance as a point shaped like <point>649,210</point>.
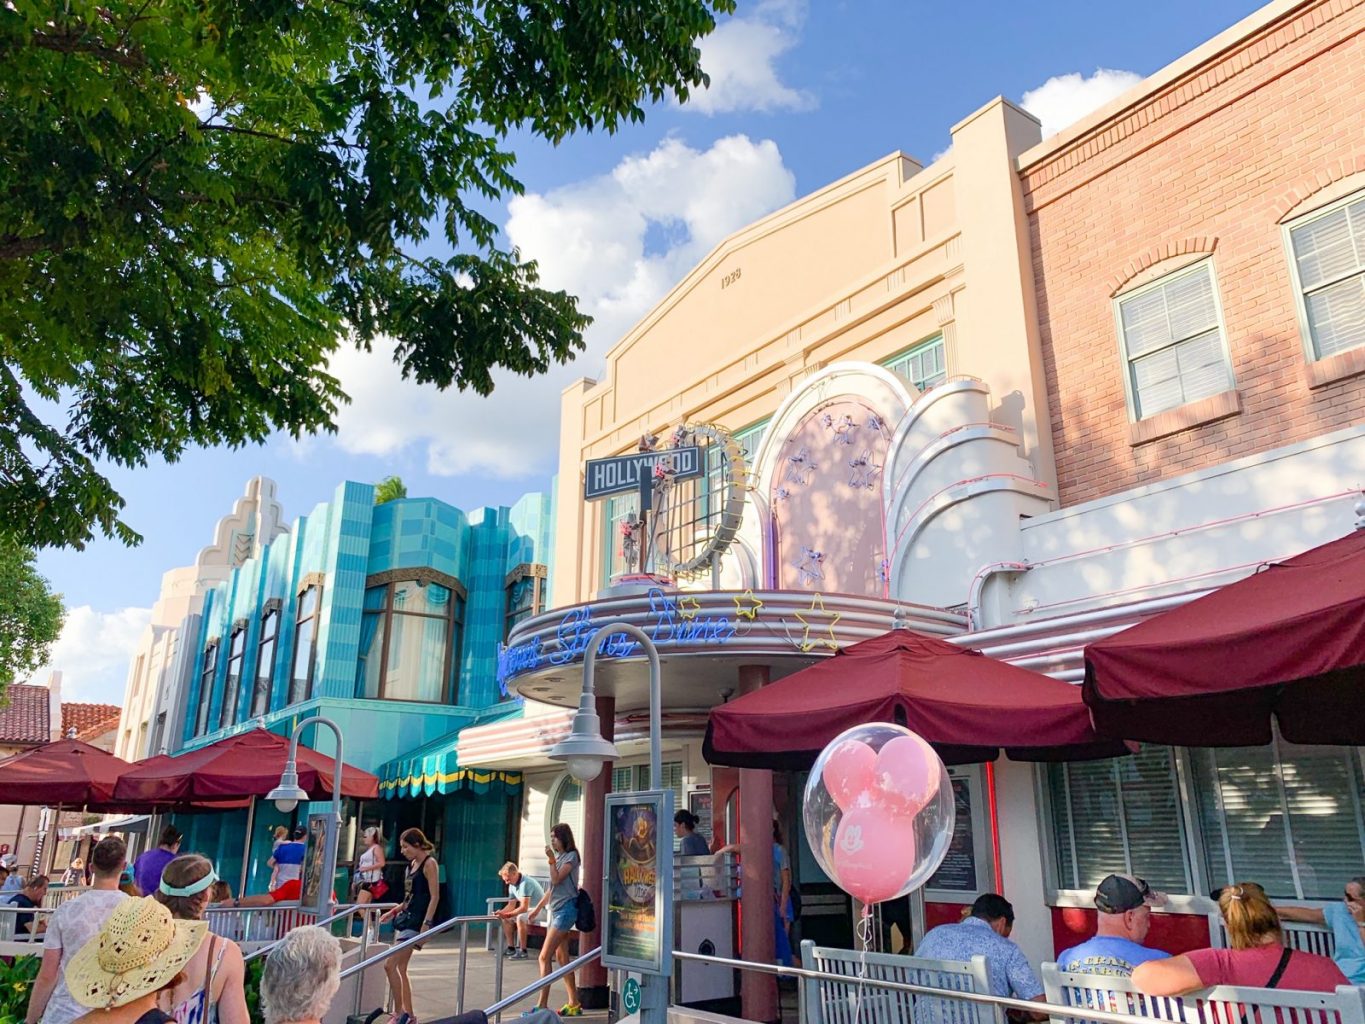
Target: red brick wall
<point>1211,161</point>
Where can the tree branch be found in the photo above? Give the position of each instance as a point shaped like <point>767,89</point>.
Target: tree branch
<point>77,44</point>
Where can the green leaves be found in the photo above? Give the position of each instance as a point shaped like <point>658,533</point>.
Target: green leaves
<point>200,200</point>
<point>30,616</point>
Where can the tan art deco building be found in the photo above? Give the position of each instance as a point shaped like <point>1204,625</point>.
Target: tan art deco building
<point>909,363</point>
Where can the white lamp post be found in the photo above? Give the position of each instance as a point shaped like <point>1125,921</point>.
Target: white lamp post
<point>585,751</point>
<point>288,794</point>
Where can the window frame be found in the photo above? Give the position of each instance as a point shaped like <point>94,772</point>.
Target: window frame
<point>938,339</point>
<point>227,714</point>
<point>534,571</point>
<point>454,619</point>
<point>315,617</point>
<point>208,675</point>
<point>265,671</point>
<point>1126,364</point>
<point>1306,340</point>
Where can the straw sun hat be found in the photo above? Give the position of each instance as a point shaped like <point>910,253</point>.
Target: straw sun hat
<point>139,950</point>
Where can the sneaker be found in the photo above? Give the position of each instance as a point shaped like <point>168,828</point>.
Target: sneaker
<point>571,1010</point>
<point>521,954</point>
<point>510,951</point>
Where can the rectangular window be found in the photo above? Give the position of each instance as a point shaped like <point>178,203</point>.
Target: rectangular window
<point>525,599</point>
<point>1329,266</point>
<point>1121,815</point>
<point>265,663</point>
<point>621,509</point>
<point>305,644</point>
<point>409,641</point>
<point>227,714</point>
<point>1173,341</point>
<point>1286,816</point>
<point>207,671</point>
<point>922,366</point>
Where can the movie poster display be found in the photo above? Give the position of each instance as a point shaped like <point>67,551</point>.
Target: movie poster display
<point>637,921</point>
<point>321,832</point>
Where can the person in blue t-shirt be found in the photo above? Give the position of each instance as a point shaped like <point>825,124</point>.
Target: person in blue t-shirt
<point>1125,909</point>
<point>1347,922</point>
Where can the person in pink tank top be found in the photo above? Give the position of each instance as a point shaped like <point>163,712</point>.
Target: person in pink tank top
<point>1258,957</point>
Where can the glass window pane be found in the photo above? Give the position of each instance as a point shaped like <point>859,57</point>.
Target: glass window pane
<point>1144,322</point>
<point>265,664</point>
<point>1336,316</point>
<point>1323,249</point>
<point>416,659</point>
<point>1239,797</point>
<point>308,602</point>
<point>369,665</point>
<point>567,807</point>
<point>421,599</point>
<point>1151,809</point>
<point>1322,793</point>
<point>1156,383</point>
<point>303,659</point>
<point>1203,371</point>
<point>1189,304</point>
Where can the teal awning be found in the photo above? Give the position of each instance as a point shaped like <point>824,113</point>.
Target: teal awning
<point>435,768</point>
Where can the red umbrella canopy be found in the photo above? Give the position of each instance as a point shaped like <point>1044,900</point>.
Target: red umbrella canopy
<point>63,772</point>
<point>245,765</point>
<point>967,705</point>
<point>1287,642</point>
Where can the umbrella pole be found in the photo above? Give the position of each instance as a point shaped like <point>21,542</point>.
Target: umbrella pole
<point>246,845</point>
<point>54,833</point>
<point>994,808</point>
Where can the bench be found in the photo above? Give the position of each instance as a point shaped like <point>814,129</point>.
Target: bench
<point>851,1002</point>
<point>534,931</point>
<point>1306,938</point>
<point>1225,1004</point>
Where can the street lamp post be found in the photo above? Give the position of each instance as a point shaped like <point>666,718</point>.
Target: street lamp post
<point>585,751</point>
<point>288,794</point>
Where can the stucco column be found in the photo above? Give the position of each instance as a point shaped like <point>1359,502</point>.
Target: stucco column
<point>758,992</point>
<point>592,979</point>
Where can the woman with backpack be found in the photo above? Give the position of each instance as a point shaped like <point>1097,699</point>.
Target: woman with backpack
<point>562,896</point>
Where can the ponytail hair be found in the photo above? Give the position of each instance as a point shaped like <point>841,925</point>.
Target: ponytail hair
<point>416,838</point>
<point>1249,916</point>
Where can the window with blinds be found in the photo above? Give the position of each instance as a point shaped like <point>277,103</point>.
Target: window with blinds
<point>1329,264</point>
<point>1286,816</point>
<point>1120,815</point>
<point>924,365</point>
<point>1173,341</point>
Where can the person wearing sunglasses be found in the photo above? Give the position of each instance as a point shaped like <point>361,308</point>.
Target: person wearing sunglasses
<point>1347,921</point>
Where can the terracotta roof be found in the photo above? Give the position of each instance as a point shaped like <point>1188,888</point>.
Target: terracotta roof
<point>83,716</point>
<point>107,725</point>
<point>24,717</point>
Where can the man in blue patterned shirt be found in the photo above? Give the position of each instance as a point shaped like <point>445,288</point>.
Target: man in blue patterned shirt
<point>985,932</point>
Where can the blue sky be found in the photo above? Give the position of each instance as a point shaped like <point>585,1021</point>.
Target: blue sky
<point>802,94</point>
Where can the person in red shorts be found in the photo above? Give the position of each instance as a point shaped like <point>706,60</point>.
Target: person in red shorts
<point>288,864</point>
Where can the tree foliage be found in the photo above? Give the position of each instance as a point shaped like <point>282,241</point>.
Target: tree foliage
<point>199,199</point>
<point>391,488</point>
<point>30,615</point>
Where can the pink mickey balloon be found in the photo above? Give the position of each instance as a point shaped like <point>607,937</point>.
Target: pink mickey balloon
<point>907,775</point>
<point>848,773</point>
<point>874,854</point>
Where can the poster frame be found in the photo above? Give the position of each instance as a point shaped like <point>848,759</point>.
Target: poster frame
<point>322,835</point>
<point>661,800</point>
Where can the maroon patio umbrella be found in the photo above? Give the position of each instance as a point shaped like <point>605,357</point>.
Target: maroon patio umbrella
<point>245,765</point>
<point>967,705</point>
<point>62,772</point>
<point>1287,642</point>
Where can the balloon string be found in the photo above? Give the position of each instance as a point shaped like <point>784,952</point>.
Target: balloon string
<point>865,928</point>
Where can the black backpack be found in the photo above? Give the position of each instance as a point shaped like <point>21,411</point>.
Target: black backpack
<point>586,914</point>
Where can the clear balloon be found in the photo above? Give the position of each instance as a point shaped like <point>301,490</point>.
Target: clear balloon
<point>887,839</point>
<point>849,772</point>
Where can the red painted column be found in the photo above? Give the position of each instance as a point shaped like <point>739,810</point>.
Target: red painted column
<point>758,992</point>
<point>592,979</point>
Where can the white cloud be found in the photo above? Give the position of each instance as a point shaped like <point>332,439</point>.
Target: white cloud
<point>93,653</point>
<point>740,57</point>
<point>595,239</point>
<point>1063,100</point>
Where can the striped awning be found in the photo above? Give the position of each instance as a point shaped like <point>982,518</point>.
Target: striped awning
<point>435,769</point>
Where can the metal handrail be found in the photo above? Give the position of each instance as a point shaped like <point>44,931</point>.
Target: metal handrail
<point>1031,1006</point>
<point>549,979</point>
<point>349,911</point>
<point>423,937</point>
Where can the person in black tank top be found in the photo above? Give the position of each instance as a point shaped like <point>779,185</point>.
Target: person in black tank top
<point>421,893</point>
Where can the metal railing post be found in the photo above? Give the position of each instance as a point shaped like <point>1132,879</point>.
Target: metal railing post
<point>497,979</point>
<point>464,966</point>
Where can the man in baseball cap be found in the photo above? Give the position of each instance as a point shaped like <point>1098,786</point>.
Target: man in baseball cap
<point>1124,903</point>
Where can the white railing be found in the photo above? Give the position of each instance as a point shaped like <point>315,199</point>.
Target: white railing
<point>367,914</point>
<point>421,939</point>
<point>9,923</point>
<point>59,894</point>
<point>1306,938</point>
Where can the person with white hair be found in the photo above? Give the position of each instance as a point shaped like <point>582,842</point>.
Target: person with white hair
<point>301,977</point>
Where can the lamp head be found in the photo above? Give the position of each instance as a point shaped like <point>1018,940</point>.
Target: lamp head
<point>288,793</point>
<point>584,751</point>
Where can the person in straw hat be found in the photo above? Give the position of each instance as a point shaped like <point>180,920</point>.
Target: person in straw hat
<point>140,951</point>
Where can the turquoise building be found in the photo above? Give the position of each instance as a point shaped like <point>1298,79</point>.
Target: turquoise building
<point>385,619</point>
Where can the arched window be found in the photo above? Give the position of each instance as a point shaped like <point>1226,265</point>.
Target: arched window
<point>566,805</point>
<point>265,661</point>
<point>227,715</point>
<point>410,641</point>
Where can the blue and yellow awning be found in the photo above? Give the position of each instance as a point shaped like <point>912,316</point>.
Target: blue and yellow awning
<point>435,769</point>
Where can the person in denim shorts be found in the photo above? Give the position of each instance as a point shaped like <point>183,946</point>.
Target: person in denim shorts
<point>562,896</point>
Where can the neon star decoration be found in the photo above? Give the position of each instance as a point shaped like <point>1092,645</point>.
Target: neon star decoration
<point>747,606</point>
<point>810,619</point>
<point>688,607</point>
